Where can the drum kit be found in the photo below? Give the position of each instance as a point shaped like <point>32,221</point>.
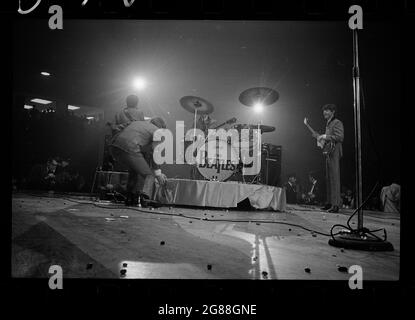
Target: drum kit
<point>217,169</point>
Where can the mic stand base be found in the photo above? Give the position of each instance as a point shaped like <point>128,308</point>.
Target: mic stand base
<point>360,241</point>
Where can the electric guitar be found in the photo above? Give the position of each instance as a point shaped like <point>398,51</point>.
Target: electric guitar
<point>325,145</point>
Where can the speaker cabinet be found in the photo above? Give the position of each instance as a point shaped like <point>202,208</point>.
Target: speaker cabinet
<point>271,165</point>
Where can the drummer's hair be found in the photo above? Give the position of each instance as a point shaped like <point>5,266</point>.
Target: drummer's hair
<point>330,106</point>
<point>159,122</point>
<point>132,101</point>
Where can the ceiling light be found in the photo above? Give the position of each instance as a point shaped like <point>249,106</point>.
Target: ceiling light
<point>41,101</point>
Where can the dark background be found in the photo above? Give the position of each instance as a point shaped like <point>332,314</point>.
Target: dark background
<point>309,63</point>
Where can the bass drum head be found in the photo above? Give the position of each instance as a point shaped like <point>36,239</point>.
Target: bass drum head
<point>220,162</point>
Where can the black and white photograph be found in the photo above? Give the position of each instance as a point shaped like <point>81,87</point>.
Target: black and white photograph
<point>205,149</point>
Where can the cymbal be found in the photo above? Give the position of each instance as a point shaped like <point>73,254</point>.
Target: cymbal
<point>265,96</point>
<point>191,104</point>
<point>262,127</point>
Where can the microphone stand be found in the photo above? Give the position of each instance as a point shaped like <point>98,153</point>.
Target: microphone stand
<point>361,238</point>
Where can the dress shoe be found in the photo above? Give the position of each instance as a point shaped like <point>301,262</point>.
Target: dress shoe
<point>146,203</point>
<point>127,200</point>
<point>131,199</point>
<point>326,207</point>
<point>334,209</point>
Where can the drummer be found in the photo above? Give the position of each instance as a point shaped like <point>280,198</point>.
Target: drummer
<point>204,123</point>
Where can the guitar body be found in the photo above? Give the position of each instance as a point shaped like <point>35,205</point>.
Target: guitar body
<point>326,146</point>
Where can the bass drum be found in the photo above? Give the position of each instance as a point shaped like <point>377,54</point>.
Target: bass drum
<point>222,165</point>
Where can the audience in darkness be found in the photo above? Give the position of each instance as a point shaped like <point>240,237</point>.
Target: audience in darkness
<point>347,198</point>
<point>292,189</point>
<point>312,194</point>
<point>390,198</point>
<point>39,135</point>
<point>56,175</point>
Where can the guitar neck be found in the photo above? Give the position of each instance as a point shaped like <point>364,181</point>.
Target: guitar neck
<point>311,129</point>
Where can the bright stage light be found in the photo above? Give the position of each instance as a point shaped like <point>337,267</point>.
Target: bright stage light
<point>28,107</point>
<point>258,107</point>
<point>139,83</point>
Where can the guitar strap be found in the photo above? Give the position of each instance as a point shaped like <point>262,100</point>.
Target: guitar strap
<point>332,144</point>
<point>128,115</point>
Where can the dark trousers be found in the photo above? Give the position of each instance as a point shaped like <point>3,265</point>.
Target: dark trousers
<point>333,178</point>
<point>140,175</point>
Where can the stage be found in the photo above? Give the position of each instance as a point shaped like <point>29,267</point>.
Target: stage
<point>217,194</point>
<point>94,239</point>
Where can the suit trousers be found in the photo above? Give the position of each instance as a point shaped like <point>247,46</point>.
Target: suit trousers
<point>140,176</point>
<point>333,177</point>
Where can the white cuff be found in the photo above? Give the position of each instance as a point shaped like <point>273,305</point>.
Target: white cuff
<point>157,172</point>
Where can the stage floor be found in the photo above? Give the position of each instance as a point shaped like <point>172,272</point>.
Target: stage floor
<point>92,240</point>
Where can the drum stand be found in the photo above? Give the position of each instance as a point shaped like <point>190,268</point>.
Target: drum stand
<point>257,178</point>
<point>193,171</point>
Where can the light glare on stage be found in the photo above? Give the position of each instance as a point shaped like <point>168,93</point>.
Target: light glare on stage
<point>28,107</point>
<point>73,107</point>
<point>44,73</point>
<point>139,83</point>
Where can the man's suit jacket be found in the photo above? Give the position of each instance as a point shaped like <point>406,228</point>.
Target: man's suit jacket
<point>291,192</point>
<point>335,133</point>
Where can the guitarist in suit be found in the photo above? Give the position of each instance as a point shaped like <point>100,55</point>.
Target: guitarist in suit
<point>334,136</point>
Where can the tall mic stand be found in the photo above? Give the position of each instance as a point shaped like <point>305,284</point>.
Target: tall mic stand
<point>361,238</point>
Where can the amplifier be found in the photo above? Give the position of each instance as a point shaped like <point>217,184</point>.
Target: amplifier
<point>271,165</point>
<point>270,173</point>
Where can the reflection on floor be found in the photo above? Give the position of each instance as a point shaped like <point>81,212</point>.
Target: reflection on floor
<point>104,240</point>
